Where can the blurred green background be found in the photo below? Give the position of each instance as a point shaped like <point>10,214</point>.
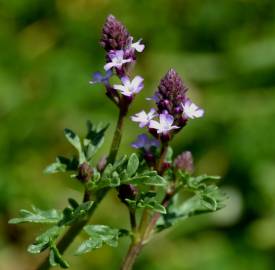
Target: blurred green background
<point>225,51</point>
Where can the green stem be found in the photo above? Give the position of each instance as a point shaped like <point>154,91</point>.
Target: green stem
<point>117,137</point>
<point>145,228</point>
<point>76,228</point>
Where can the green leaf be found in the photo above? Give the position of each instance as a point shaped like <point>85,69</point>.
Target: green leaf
<point>99,235</point>
<point>133,164</point>
<point>148,201</point>
<point>199,182</point>
<point>75,141</point>
<point>56,258</point>
<point>94,139</point>
<point>71,215</point>
<point>149,179</point>
<point>44,240</point>
<point>37,216</point>
<point>155,206</point>
<point>62,164</point>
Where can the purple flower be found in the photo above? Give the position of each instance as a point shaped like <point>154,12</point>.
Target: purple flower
<point>98,77</point>
<point>143,141</point>
<point>144,118</point>
<point>129,88</point>
<point>165,123</point>
<point>136,45</point>
<point>117,60</point>
<point>191,110</point>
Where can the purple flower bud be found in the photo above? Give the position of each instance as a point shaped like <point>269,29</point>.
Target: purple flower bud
<point>171,94</point>
<point>127,192</point>
<point>102,163</point>
<point>114,35</point>
<point>184,162</point>
<point>85,172</point>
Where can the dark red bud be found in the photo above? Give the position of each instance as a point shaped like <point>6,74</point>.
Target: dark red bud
<point>85,172</point>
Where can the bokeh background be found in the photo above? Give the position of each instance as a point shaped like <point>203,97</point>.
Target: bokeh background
<point>225,51</point>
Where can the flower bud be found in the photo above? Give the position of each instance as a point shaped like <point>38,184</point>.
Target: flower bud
<point>171,94</point>
<point>184,162</point>
<point>114,35</point>
<point>102,163</point>
<point>85,172</point>
<point>127,192</point>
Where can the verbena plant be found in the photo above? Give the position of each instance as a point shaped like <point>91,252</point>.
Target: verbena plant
<point>148,182</point>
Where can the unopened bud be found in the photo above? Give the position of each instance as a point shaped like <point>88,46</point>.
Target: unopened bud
<point>127,192</point>
<point>184,162</point>
<point>85,172</point>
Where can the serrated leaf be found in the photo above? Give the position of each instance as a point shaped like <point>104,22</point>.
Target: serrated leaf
<point>56,258</point>
<point>75,141</point>
<point>37,216</point>
<point>44,240</point>
<point>99,235</point>
<point>132,164</point>
<point>62,164</point>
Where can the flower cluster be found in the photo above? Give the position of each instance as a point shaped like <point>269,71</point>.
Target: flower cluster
<point>120,56</point>
<point>173,108</point>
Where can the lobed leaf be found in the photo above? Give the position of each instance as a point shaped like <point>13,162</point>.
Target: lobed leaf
<point>37,216</point>
<point>99,235</point>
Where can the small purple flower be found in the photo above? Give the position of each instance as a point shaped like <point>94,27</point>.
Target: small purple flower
<point>144,118</point>
<point>129,88</point>
<point>136,45</point>
<point>143,141</point>
<point>165,123</point>
<point>117,60</point>
<point>98,77</point>
<point>191,110</point>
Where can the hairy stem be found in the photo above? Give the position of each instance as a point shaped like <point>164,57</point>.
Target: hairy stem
<point>77,227</point>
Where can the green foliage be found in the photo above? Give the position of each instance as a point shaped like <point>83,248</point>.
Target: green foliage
<point>45,240</point>
<point>206,197</point>
<point>99,235</point>
<point>94,139</point>
<point>37,216</point>
<point>91,143</point>
<point>132,165</point>
<point>75,213</point>
<point>56,259</point>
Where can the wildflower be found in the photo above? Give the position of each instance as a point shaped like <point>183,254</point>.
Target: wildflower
<point>191,110</point>
<point>129,88</point>
<point>116,60</point>
<point>98,77</point>
<point>171,94</point>
<point>165,123</point>
<point>143,141</point>
<point>184,162</point>
<point>114,35</point>
<point>144,118</point>
<point>136,45</point>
